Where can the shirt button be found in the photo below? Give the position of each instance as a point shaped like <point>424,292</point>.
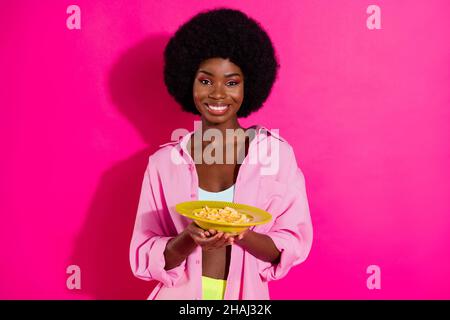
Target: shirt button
<point>197,261</point>
<point>193,195</point>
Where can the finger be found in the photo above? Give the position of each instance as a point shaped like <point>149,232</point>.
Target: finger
<point>242,234</point>
<point>217,244</point>
<point>220,242</point>
<point>194,229</point>
<point>199,231</point>
<point>230,241</point>
<point>229,237</point>
<point>234,238</point>
<point>211,240</point>
<point>202,234</point>
<point>195,235</point>
<point>212,231</point>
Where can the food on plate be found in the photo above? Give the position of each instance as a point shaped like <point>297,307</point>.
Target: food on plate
<point>226,214</point>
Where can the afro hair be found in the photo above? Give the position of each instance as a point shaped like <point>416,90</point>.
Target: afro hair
<point>221,33</point>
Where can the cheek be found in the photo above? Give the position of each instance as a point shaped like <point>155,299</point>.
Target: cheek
<point>238,95</point>
<point>196,95</point>
<point>199,93</point>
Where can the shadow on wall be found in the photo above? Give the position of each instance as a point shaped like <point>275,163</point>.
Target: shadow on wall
<point>102,248</point>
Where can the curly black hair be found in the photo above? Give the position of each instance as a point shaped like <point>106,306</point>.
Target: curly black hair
<point>221,33</point>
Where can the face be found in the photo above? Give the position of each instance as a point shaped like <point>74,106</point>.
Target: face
<point>218,90</point>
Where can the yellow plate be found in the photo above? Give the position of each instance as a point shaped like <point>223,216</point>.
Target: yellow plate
<point>257,216</point>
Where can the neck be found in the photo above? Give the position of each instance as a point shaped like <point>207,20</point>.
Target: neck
<point>197,143</point>
<point>232,123</point>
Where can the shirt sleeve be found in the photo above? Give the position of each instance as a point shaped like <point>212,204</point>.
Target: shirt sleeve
<point>292,231</point>
<point>149,237</point>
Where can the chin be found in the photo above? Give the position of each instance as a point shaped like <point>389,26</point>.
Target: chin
<point>216,120</point>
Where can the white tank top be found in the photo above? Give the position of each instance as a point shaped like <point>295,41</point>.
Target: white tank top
<point>225,195</point>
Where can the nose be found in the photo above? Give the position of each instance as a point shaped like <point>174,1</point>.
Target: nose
<point>217,92</point>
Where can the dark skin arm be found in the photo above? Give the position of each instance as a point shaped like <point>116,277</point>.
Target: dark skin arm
<point>259,245</point>
<point>179,248</point>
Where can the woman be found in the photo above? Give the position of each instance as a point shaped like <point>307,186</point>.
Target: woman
<point>220,65</point>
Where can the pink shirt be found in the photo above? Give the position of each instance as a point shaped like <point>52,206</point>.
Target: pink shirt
<point>171,178</point>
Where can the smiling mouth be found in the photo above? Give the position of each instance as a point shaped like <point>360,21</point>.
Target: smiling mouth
<point>217,109</point>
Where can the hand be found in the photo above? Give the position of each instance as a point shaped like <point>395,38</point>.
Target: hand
<point>233,239</point>
<point>209,239</point>
<point>242,235</point>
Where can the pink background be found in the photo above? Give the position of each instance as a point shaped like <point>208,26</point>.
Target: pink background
<point>367,112</point>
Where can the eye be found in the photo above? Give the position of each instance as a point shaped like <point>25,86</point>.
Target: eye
<point>232,83</point>
<point>205,81</point>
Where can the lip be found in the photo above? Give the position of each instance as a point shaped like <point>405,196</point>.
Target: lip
<point>217,112</point>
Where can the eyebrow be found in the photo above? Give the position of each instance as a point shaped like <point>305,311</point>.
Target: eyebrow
<point>226,75</point>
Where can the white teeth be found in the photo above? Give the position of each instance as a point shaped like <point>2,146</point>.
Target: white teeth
<point>217,107</point>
